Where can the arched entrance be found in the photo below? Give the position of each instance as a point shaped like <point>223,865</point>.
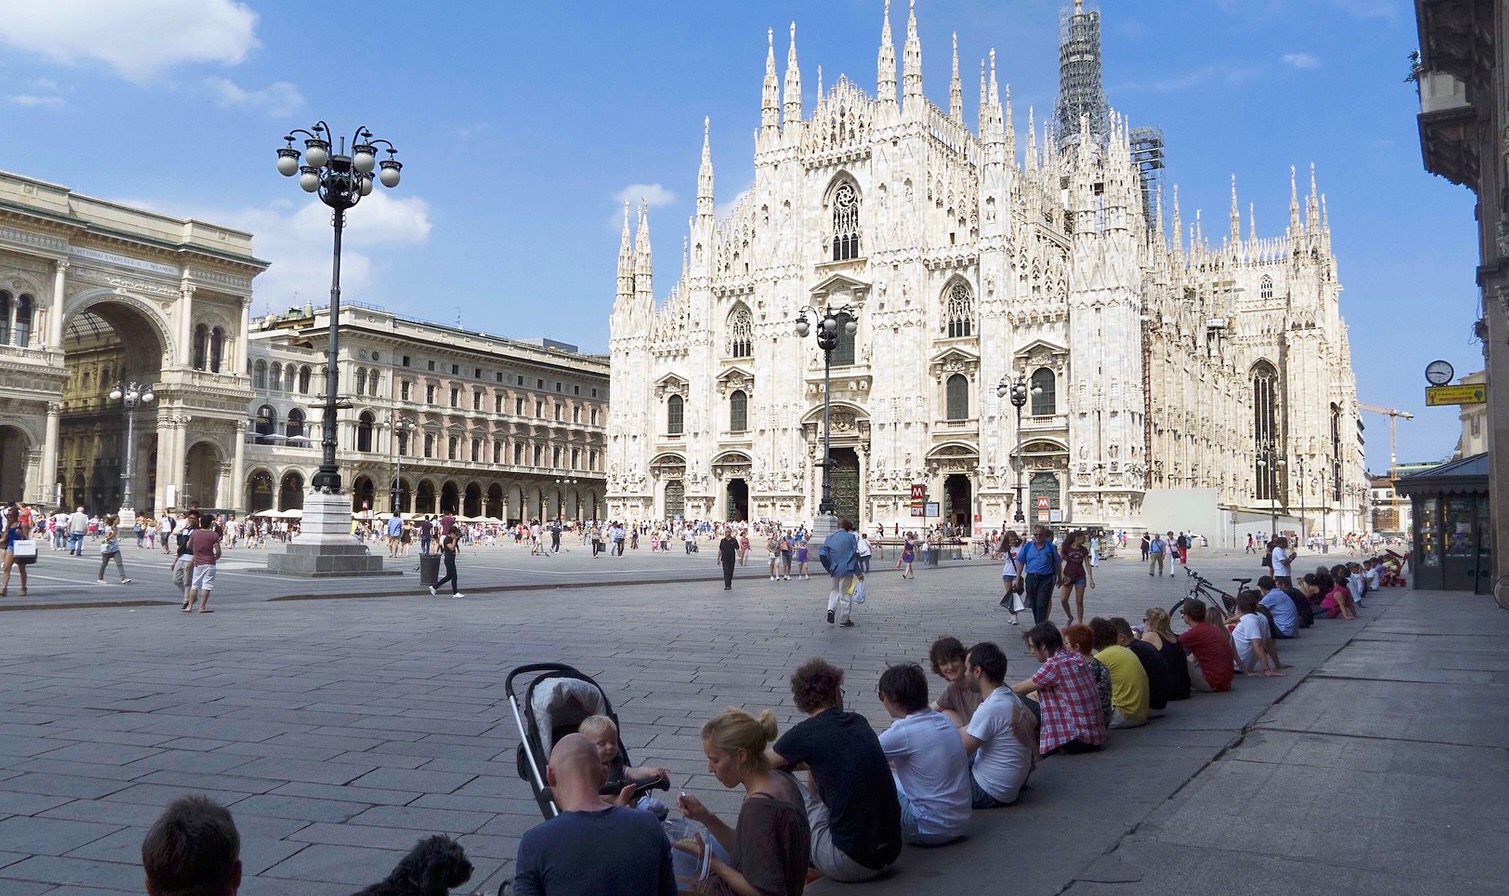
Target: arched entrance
<point>1042,486</point>
<point>424,501</point>
<point>13,447</point>
<point>201,478</point>
<point>108,343</point>
<point>291,491</point>
<point>259,492</point>
<point>450,498</point>
<point>362,491</point>
<point>405,496</point>
<point>473,504</point>
<point>495,508</point>
<point>845,482</point>
<point>738,501</point>
<point>958,495</point>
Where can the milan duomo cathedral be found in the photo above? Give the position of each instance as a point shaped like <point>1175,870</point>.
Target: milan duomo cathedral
<point>971,260</point>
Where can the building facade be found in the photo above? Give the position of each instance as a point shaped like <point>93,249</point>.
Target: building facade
<point>93,295</point>
<point>432,418</point>
<point>1154,361</point>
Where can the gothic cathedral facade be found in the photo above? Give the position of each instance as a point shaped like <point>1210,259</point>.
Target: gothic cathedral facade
<point>1150,363</point>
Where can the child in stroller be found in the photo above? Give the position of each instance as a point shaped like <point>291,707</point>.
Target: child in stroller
<point>603,732</point>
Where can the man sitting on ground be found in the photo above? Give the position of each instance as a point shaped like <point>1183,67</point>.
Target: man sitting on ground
<point>1129,687</point>
<point>851,800</point>
<point>1002,734</point>
<point>1251,637</point>
<point>193,847</point>
<point>1152,666</point>
<point>593,848</point>
<point>1069,700</point>
<point>1211,657</point>
<point>1281,606</point>
<point>932,772</point>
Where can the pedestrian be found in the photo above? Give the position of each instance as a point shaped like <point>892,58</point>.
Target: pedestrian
<point>1076,573</point>
<point>204,545</point>
<point>1147,545</point>
<point>1171,547</point>
<point>14,532</point>
<point>1155,551</point>
<point>1039,563</point>
<point>1181,544</point>
<point>449,543</point>
<point>864,553</point>
<point>908,556</point>
<point>728,554</point>
<point>773,548</point>
<point>839,558</point>
<point>78,524</point>
<point>1011,574</point>
<point>394,530</point>
<point>112,548</point>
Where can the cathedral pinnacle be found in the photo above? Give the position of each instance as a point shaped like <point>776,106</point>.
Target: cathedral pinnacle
<point>1236,214</point>
<point>793,107</point>
<point>955,90</point>
<point>1294,225</point>
<point>885,75</point>
<point>705,173</point>
<point>770,106</point>
<point>911,68</point>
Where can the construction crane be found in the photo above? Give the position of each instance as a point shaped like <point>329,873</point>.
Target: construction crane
<point>1393,415</point>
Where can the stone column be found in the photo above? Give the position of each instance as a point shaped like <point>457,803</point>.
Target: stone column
<point>165,426</point>
<point>238,471</point>
<point>180,456</point>
<point>185,353</point>
<point>55,314</point>
<point>224,486</point>
<point>33,486</point>
<point>49,471</point>
<point>241,338</point>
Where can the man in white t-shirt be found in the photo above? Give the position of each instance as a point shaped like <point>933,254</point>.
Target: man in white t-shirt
<point>927,760</point>
<point>1251,637</point>
<point>1001,736</point>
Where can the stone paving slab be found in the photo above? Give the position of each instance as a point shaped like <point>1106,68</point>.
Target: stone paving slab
<point>344,730</point>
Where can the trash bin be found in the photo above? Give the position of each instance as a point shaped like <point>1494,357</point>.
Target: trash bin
<point>429,569</point>
<point>933,552</point>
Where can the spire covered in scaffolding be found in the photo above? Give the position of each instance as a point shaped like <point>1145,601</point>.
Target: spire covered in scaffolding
<point>1081,93</point>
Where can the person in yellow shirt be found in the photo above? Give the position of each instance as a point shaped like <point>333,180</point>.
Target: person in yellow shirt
<point>1129,687</point>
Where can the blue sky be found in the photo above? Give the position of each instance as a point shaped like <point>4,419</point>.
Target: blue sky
<point>522,126</point>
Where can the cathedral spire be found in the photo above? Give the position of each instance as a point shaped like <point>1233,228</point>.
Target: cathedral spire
<point>644,291</point>
<point>1294,225</point>
<point>1236,214</point>
<point>1008,126</point>
<point>793,83</point>
<point>819,85</point>
<point>911,70</point>
<point>704,175</point>
<point>1081,93</point>
<point>1252,221</point>
<point>885,64</point>
<point>1312,203</point>
<point>625,262</point>
<point>1178,229</point>
<point>770,104</point>
<point>1158,206</point>
<point>984,116</point>
<point>1031,137</point>
<point>955,89</point>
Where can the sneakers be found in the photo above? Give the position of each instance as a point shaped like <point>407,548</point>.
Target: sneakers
<point>100,581</point>
<point>433,592</point>
<point>1013,619</point>
<point>830,617</point>
<point>125,581</point>
<point>847,623</point>
<point>772,578</point>
<point>457,596</point>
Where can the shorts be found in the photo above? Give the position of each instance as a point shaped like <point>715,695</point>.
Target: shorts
<point>1079,583</point>
<point>204,577</point>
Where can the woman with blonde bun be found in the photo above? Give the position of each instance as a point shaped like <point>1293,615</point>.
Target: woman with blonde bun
<point>769,845</point>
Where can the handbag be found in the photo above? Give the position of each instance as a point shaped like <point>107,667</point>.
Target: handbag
<point>24,550</point>
<point>1018,605</point>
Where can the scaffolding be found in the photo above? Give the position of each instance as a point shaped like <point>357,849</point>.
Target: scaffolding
<point>1081,93</point>
<point>1147,156</point>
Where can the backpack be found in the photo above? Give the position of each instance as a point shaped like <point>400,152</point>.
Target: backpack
<point>183,540</point>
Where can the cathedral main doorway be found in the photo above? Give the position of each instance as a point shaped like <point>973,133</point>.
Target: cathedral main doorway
<point>958,494</point>
<point>738,501</point>
<point>845,482</point>
<point>92,428</point>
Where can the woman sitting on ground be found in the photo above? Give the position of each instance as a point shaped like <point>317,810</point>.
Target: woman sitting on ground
<point>769,846</point>
<point>1338,601</point>
<point>1160,634</point>
<point>1068,700</point>
<point>958,700</point>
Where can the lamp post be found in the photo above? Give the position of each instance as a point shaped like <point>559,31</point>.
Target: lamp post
<point>560,495</point>
<point>1269,461</point>
<point>1017,391</point>
<point>402,426</point>
<point>341,180</point>
<point>828,326</point>
<point>131,395</point>
<point>1300,464</point>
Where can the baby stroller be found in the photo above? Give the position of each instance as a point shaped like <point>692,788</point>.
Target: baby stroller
<point>555,702</point>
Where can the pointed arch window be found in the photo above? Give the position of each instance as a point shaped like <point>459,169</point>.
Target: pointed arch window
<point>1044,393</point>
<point>738,411</point>
<point>1265,288</point>
<point>675,409</point>
<point>959,311</point>
<point>957,390</point>
<point>845,222</point>
<point>740,333</point>
<point>1264,428</point>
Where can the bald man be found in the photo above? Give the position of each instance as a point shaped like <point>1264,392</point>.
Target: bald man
<point>593,847</point>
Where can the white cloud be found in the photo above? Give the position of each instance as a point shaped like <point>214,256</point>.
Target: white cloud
<point>277,99</point>
<point>1230,75</point>
<point>1299,60</point>
<point>653,194</point>
<point>31,99</point>
<point>139,39</point>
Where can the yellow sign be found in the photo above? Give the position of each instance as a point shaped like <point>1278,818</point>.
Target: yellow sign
<point>1472,393</point>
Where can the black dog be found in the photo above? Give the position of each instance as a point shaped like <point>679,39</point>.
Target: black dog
<point>432,868</point>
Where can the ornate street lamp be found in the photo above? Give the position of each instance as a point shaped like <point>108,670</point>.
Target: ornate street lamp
<point>341,180</point>
<point>402,426</point>
<point>132,395</point>
<point>828,326</point>
<point>1269,461</point>
<point>560,495</point>
<point>1017,391</point>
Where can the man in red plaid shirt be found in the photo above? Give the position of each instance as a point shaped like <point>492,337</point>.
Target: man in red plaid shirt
<point>1065,686</point>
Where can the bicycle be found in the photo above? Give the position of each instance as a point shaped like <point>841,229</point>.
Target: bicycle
<point>1204,591</point>
<point>1501,592</point>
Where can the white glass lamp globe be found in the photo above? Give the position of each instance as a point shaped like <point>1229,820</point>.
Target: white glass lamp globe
<point>802,326</point>
<point>316,153</point>
<point>389,175</point>
<point>364,161</point>
<point>365,186</point>
<point>288,164</point>
<point>851,326</point>
<point>309,181</point>
<point>115,394</point>
<point>148,396</point>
